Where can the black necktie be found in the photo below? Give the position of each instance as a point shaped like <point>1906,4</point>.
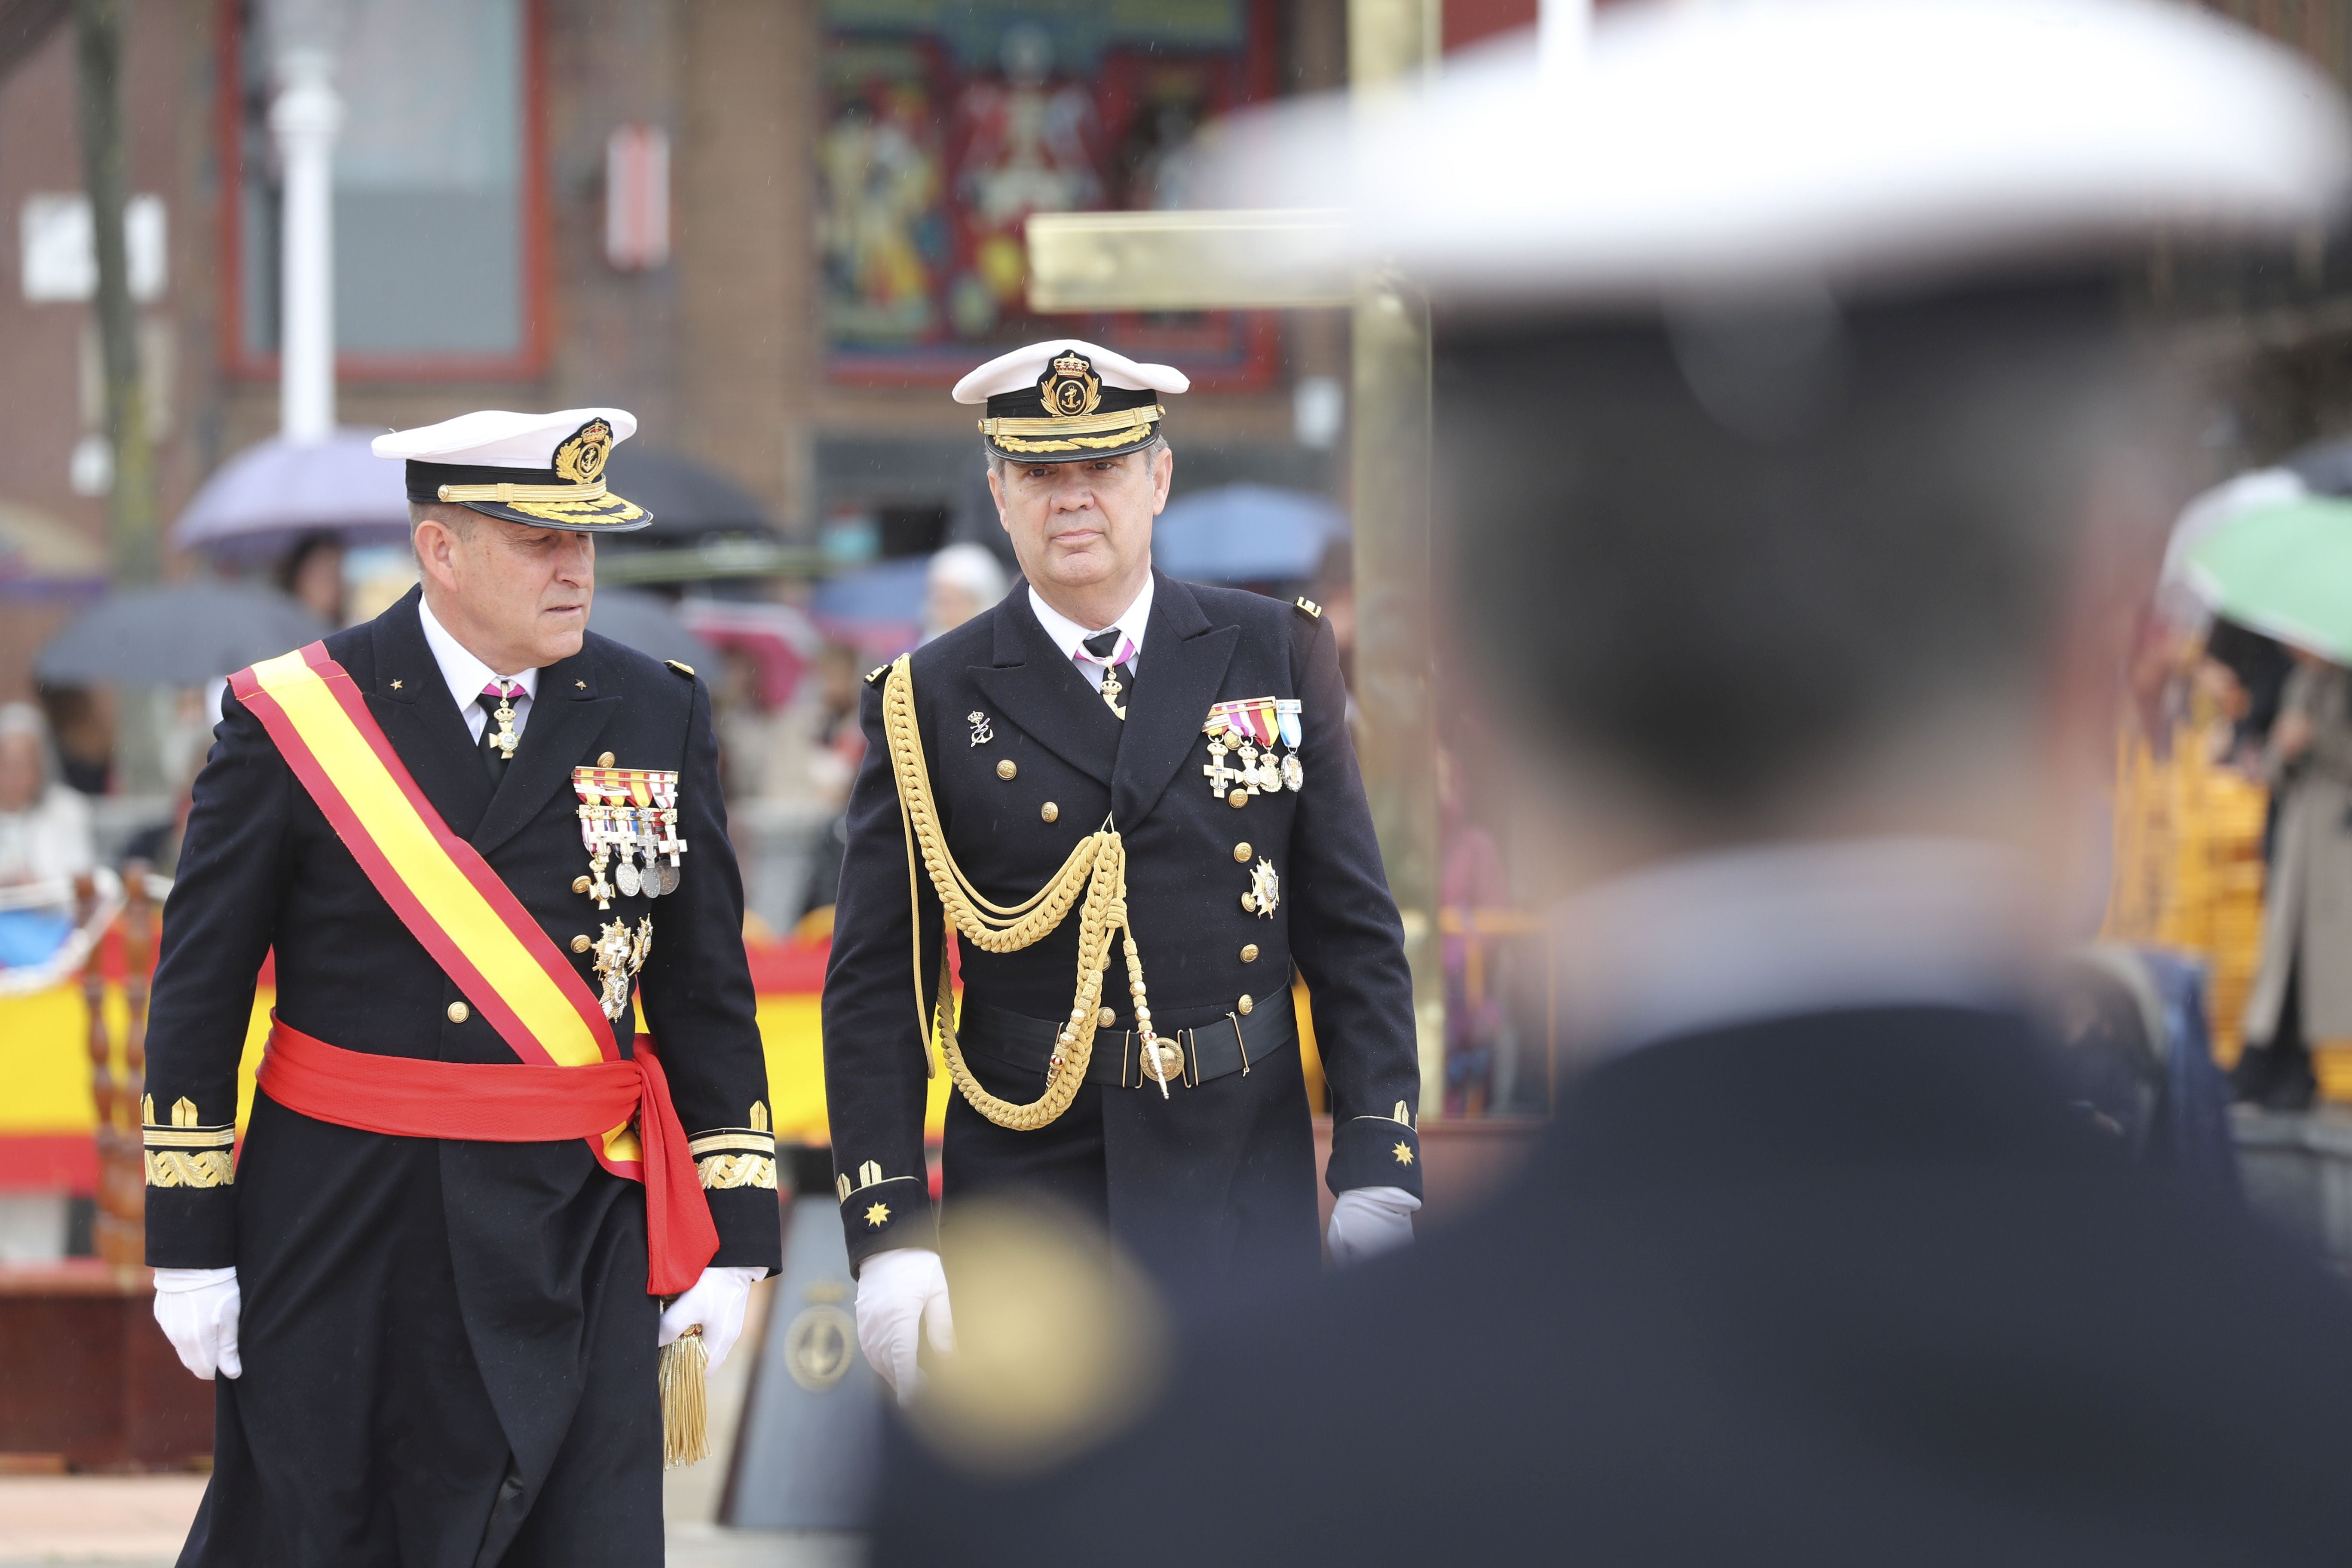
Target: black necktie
<point>493,759</point>
<point>1118,683</point>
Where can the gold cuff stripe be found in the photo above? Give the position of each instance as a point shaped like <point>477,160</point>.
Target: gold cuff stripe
<point>507,495</point>
<point>731,1138</point>
<point>718,1173</point>
<point>190,1137</point>
<point>1092,425</point>
<point>171,1168</point>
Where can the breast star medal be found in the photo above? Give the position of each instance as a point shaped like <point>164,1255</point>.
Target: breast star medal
<point>1265,890</point>
<point>620,954</point>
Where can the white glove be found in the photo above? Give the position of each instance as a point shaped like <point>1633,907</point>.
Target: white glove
<point>198,1309</point>
<point>898,1291</point>
<point>1368,1221</point>
<point>715,1303</point>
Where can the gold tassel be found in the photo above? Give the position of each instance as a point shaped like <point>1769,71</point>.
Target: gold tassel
<point>685,1402</point>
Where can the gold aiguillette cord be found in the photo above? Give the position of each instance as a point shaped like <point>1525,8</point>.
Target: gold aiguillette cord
<point>1096,870</point>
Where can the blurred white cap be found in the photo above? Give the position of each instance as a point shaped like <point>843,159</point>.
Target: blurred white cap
<point>1702,149</point>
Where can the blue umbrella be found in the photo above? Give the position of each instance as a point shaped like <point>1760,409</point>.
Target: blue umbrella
<point>1245,534</point>
<point>877,608</point>
<point>272,493</point>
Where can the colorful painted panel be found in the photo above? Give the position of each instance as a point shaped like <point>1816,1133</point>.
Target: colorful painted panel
<point>949,124</point>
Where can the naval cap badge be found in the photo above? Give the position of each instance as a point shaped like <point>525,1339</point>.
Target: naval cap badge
<point>1070,386</point>
<point>581,457</point>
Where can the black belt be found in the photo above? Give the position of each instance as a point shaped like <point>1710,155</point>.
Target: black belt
<point>1226,1045</point>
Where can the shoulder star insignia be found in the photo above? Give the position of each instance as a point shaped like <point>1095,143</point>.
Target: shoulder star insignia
<point>878,1216</point>
<point>1403,1152</point>
<point>581,684</point>
<point>395,686</point>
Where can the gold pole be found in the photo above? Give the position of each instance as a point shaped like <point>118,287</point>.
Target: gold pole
<point>1390,43</point>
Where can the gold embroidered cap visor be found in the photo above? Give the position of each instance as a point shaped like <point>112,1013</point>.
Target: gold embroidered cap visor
<point>1107,433</point>
<point>569,493</point>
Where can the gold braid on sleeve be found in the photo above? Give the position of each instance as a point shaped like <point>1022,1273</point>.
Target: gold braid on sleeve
<point>1095,868</point>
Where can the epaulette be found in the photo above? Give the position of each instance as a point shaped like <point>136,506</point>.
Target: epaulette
<point>1311,608</point>
<point>683,669</point>
<point>873,676</point>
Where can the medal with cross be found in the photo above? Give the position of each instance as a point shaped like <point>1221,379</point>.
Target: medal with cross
<point>1221,777</point>
<point>505,739</point>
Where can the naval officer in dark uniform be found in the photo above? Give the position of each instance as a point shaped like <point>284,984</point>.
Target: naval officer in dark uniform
<point>441,1350</point>
<point>1805,469</point>
<point>1206,728</point>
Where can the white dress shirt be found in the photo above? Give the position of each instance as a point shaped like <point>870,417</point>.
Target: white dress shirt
<point>1773,930</point>
<point>1068,634</point>
<point>467,675</point>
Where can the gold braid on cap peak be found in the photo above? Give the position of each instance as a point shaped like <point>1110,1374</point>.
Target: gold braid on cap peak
<point>1092,433</point>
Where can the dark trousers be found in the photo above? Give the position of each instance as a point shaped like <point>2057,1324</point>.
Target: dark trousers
<point>2276,1073</point>
<point>362,1433</point>
<point>1211,1190</point>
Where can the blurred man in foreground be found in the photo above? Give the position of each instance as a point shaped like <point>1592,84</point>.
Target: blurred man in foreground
<point>1800,475</point>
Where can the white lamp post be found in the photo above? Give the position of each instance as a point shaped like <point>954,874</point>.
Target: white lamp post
<point>305,118</point>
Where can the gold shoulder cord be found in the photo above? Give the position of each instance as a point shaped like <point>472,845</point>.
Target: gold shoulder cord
<point>1098,867</point>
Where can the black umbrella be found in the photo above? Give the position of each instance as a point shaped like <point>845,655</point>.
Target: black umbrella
<point>647,623</point>
<point>688,497</point>
<point>183,634</point>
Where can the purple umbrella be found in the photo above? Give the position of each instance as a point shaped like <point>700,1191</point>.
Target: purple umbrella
<point>273,492</point>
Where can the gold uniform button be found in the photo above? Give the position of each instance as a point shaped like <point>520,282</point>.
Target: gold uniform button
<point>1249,953</point>
<point>1241,852</point>
<point>1238,798</point>
<point>1249,903</point>
<point>1244,1006</point>
<point>581,944</point>
<point>579,884</point>
<point>606,761</point>
<point>459,1011</point>
<point>1049,811</point>
<point>1005,770</point>
<point>1106,1018</point>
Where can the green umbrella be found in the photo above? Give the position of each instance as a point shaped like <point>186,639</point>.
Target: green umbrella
<point>2284,569</point>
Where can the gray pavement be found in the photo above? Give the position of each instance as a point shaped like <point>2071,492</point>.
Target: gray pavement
<point>139,1522</point>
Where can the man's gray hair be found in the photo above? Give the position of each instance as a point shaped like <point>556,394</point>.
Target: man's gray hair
<point>458,519</point>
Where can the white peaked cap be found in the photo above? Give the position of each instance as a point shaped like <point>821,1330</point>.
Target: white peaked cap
<point>1025,367</point>
<point>1718,146</point>
<point>494,439</point>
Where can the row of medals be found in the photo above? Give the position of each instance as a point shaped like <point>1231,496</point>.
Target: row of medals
<point>1257,773</point>
<point>613,825</point>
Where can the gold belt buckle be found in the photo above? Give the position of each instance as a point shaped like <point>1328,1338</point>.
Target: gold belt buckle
<point>1162,1060</point>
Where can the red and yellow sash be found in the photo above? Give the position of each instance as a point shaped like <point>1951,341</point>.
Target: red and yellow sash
<point>468,920</point>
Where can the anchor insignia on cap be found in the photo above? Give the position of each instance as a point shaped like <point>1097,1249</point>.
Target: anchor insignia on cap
<point>1071,388</point>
